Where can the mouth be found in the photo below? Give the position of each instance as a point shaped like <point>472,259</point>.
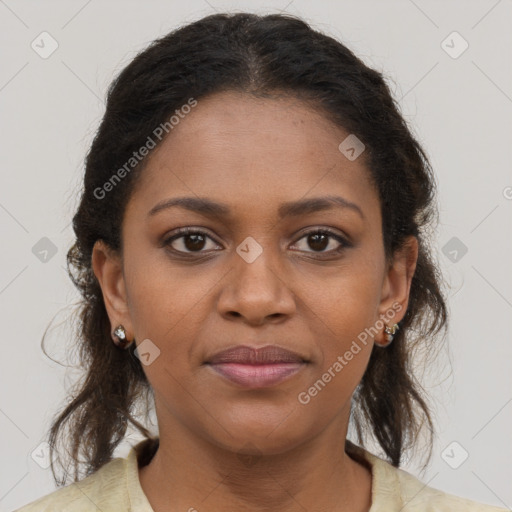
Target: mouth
<point>257,368</point>
<point>257,376</point>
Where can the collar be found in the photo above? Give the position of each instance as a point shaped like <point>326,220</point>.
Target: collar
<point>386,494</point>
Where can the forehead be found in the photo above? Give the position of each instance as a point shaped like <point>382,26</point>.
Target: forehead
<point>251,152</point>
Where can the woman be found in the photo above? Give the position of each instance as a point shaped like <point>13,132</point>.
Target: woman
<point>252,254</point>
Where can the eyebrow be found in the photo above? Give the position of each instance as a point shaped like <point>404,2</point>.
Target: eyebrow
<point>207,207</point>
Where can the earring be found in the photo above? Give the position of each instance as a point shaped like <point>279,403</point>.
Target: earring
<point>119,337</point>
<point>389,334</point>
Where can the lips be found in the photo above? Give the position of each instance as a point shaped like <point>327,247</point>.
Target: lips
<point>243,354</point>
<point>256,368</point>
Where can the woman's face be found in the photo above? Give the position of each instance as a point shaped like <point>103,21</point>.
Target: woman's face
<point>255,277</point>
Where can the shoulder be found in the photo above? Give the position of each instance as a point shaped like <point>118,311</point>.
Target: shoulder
<point>416,496</point>
<point>103,490</point>
<point>394,489</point>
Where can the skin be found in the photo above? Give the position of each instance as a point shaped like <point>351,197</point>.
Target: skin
<point>253,154</point>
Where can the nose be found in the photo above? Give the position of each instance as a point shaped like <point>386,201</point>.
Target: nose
<point>256,292</point>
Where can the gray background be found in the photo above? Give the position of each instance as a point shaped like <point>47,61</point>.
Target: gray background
<point>458,104</point>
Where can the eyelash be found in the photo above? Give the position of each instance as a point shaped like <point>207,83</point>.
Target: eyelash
<point>182,232</point>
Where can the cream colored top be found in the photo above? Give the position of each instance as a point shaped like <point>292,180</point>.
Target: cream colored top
<point>115,487</point>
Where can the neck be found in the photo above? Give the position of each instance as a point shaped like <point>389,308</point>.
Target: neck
<point>188,473</point>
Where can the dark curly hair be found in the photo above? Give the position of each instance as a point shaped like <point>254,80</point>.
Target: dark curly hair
<point>264,56</point>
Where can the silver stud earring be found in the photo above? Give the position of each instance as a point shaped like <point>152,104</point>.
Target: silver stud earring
<point>119,337</point>
<point>389,334</point>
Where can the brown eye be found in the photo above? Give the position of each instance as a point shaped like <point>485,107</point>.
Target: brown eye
<point>188,241</point>
<point>320,239</point>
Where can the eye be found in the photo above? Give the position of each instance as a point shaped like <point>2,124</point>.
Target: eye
<point>318,240</point>
<point>188,240</point>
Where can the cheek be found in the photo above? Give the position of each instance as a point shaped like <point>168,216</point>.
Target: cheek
<point>347,299</point>
<point>344,346</point>
<point>344,311</point>
<point>164,300</point>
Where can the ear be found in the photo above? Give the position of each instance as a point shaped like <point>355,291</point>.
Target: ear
<point>107,267</point>
<point>396,285</point>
